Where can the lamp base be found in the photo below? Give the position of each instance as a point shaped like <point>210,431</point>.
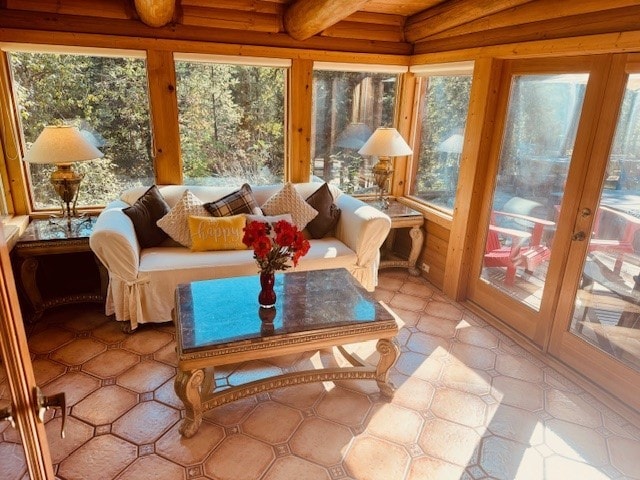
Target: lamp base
<point>66,183</point>
<point>382,170</point>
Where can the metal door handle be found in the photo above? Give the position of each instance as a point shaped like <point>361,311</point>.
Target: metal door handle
<point>5,414</point>
<point>44,403</point>
<point>579,236</point>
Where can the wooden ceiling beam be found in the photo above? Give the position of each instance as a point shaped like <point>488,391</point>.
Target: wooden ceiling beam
<point>451,14</point>
<point>532,12</point>
<point>305,18</point>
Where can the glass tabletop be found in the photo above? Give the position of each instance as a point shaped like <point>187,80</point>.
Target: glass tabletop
<point>396,209</point>
<point>57,229</point>
<point>215,313</point>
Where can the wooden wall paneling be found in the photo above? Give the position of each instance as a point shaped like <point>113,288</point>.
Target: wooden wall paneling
<point>52,22</point>
<point>94,8</point>
<point>371,31</point>
<point>619,42</point>
<point>451,14</point>
<point>15,187</point>
<point>246,5</point>
<point>540,10</point>
<point>299,111</point>
<point>472,176</point>
<point>616,20</point>
<point>164,117</point>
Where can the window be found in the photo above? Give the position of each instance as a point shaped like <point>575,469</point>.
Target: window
<point>232,127</point>
<point>348,106</point>
<point>444,106</point>
<point>105,95</point>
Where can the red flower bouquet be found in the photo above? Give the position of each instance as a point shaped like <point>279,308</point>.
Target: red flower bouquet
<point>273,247</point>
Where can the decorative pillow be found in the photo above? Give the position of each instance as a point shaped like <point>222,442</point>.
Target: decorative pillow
<point>217,233</point>
<point>240,201</point>
<point>288,200</point>
<point>270,218</point>
<point>144,214</point>
<point>328,213</point>
<point>176,222</point>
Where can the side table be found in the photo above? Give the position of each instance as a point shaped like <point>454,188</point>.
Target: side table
<point>48,238</point>
<point>403,217</point>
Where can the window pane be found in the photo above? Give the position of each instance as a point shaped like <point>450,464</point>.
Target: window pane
<point>540,131</point>
<point>348,107</point>
<point>231,123</point>
<point>444,114</point>
<point>106,98</point>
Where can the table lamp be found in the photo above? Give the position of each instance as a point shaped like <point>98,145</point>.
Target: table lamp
<point>384,143</point>
<point>62,145</point>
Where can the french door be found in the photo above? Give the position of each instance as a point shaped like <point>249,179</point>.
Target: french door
<point>558,256</point>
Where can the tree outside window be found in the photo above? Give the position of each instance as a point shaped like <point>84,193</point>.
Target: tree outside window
<point>445,104</point>
<point>347,108</point>
<point>106,98</point>
<point>231,123</point>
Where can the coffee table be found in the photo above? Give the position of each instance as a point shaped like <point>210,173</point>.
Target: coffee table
<point>219,322</point>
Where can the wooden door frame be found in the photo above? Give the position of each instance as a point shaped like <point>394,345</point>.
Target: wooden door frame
<point>17,363</point>
<point>534,325</point>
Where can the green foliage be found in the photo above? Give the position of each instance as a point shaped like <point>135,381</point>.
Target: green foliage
<point>231,123</point>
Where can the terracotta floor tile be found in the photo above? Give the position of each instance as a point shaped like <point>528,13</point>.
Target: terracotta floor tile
<point>428,344</point>
<point>146,341</point>
<point>624,456</point>
<point>443,309</point>
<point>460,407</point>
<point>459,376</point>
<point>76,385</point>
<point>167,395</point>
<point>239,457</point>
<point>76,433</point>
<point>146,376</point>
<point>145,422</point>
<point>420,366</point>
<point>45,370</point>
<point>414,393</point>
<point>261,425</point>
<point>13,465</point>
<point>105,405</point>
<point>189,451</point>
<point>320,441</point>
<point>167,354</point>
<point>110,363</point>
<point>376,459</point>
<point>481,337</point>
<point>576,442</point>
<point>472,356</point>
<point>291,467</point>
<point>344,407</point>
<point>441,327</point>
<point>518,393</point>
<point>152,467</point>
<point>505,459</point>
<point>109,333</point>
<point>394,424</point>
<point>422,290</point>
<point>232,413</point>
<point>78,351</point>
<point>518,367</point>
<point>450,442</point>
<point>571,407</point>
<point>50,339</point>
<point>516,424</point>
<point>433,469</point>
<point>556,467</point>
<point>106,454</point>
<point>408,302</point>
<point>302,397</point>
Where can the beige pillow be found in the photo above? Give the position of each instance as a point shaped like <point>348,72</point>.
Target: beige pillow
<point>288,200</point>
<point>176,222</point>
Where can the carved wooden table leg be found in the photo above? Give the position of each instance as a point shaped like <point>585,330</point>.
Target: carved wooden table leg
<point>187,386</point>
<point>389,353</point>
<point>417,239</point>
<point>28,277</point>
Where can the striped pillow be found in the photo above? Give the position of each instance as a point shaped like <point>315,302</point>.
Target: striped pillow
<point>240,201</point>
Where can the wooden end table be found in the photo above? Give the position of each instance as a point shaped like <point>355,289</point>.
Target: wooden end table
<point>219,322</point>
<point>55,237</point>
<point>402,216</point>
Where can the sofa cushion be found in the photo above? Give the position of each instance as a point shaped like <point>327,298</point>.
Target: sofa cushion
<point>328,213</point>
<point>144,214</point>
<point>288,200</point>
<point>217,233</point>
<point>269,218</point>
<point>240,201</point>
<point>176,222</point>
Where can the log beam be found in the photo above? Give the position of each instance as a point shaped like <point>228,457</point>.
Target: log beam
<point>305,18</point>
<point>452,14</point>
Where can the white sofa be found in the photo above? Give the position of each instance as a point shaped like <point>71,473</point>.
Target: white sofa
<point>142,282</point>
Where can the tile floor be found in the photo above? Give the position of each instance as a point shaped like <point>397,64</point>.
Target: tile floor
<point>470,404</point>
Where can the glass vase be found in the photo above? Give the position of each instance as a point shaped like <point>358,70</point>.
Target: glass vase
<point>267,296</point>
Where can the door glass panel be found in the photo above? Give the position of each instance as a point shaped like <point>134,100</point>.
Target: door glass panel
<point>607,307</point>
<point>13,464</point>
<point>539,134</point>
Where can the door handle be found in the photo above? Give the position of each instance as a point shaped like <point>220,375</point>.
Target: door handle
<point>44,403</point>
<point>579,236</point>
<point>5,414</point>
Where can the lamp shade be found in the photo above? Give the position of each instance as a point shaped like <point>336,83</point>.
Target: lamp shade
<point>61,145</point>
<point>385,142</point>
